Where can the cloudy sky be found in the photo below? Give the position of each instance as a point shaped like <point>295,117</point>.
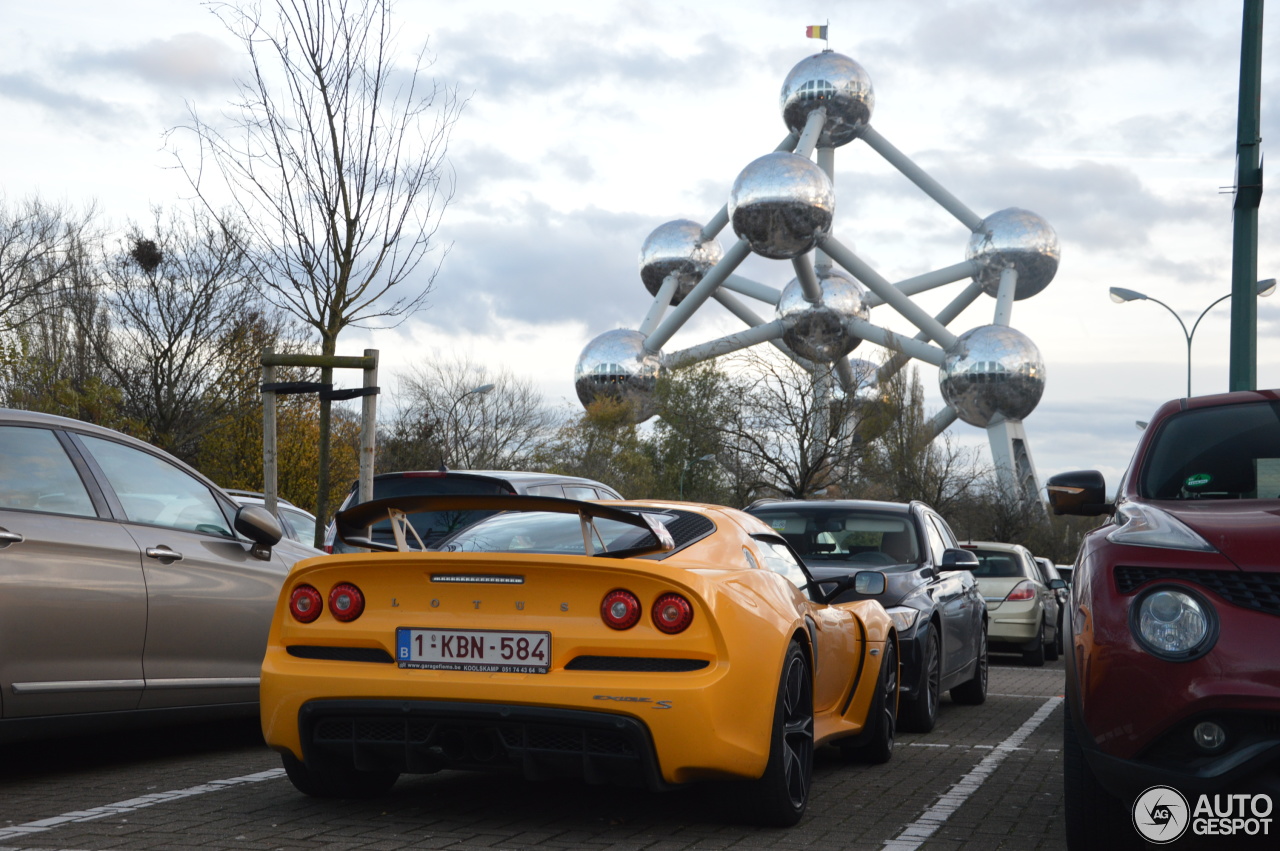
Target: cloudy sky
<point>590,124</point>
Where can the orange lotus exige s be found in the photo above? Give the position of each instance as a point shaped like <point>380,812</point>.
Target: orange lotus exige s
<point>647,643</point>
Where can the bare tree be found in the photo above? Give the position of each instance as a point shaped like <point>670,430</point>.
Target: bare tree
<point>795,434</point>
<point>456,413</point>
<point>40,247</point>
<point>176,296</point>
<point>335,157</point>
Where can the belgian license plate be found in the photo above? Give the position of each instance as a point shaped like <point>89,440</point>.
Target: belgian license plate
<point>484,650</point>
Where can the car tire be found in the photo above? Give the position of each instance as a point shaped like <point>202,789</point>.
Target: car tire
<point>1094,818</point>
<point>780,796</point>
<point>1035,656</point>
<point>882,717</point>
<point>336,782</point>
<point>919,714</point>
<point>974,691</point>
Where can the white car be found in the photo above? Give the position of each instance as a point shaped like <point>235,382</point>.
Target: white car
<point>1023,607</point>
<point>297,524</point>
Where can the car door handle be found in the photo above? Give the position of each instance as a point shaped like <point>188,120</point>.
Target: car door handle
<point>7,538</point>
<point>163,553</point>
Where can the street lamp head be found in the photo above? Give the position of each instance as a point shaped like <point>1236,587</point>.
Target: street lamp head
<point>1120,295</point>
<point>1266,287</point>
<point>482,389</point>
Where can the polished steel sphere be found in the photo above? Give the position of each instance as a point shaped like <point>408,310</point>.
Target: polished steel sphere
<point>833,81</point>
<point>676,248</point>
<point>1017,238</point>
<point>992,371</point>
<point>782,204</point>
<point>616,365</point>
<point>817,330</point>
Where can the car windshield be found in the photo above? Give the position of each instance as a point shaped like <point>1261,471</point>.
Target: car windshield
<point>829,533</point>
<point>996,563</point>
<point>1230,452</point>
<point>545,532</point>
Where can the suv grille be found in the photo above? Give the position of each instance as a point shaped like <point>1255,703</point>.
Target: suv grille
<point>1257,591</point>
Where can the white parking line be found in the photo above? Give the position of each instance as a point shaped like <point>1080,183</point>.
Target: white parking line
<point>914,835</point>
<point>121,807</point>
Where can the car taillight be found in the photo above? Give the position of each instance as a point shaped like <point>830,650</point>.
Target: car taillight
<point>620,609</point>
<point>672,613</point>
<point>1024,590</point>
<point>346,602</point>
<point>305,604</point>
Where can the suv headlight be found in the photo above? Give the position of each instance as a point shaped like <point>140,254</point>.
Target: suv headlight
<point>1146,526</point>
<point>1173,623</point>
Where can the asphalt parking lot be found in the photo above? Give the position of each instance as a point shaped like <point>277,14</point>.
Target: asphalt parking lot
<point>988,777</point>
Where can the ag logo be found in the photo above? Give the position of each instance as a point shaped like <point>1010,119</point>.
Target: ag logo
<point>1161,814</point>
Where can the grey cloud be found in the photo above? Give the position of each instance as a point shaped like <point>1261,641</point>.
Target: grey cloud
<point>67,106</point>
<point>188,62</point>
<point>544,265</point>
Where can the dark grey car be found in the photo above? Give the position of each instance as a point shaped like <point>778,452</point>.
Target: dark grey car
<point>131,587</point>
<point>929,592</point>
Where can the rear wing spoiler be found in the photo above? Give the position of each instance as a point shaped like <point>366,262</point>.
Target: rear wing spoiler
<point>353,524</point>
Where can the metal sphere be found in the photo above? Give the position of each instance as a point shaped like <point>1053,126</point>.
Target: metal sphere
<point>818,330</point>
<point>1017,238</point>
<point>782,204</point>
<point>833,81</point>
<point>676,248</point>
<point>992,371</point>
<point>616,365</point>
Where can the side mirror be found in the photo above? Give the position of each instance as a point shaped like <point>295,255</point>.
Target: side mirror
<point>869,582</point>
<point>260,526</point>
<point>1057,584</point>
<point>1082,493</point>
<point>959,559</point>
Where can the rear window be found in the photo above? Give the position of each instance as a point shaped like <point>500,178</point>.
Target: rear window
<point>997,563</point>
<point>547,532</point>
<point>1232,452</point>
<point>433,525</point>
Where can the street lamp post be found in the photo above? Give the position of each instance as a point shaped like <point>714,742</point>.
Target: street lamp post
<point>688,466</point>
<point>1120,295</point>
<point>449,419</point>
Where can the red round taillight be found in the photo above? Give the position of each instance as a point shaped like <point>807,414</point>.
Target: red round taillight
<point>620,609</point>
<point>305,604</point>
<point>346,602</point>
<point>672,613</point>
<point>1022,591</point>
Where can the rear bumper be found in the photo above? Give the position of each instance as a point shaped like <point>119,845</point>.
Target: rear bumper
<point>422,736</point>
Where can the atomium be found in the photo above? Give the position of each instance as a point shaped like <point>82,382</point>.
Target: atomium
<point>677,248</point>
<point>835,83</point>
<point>616,365</point>
<point>992,371</point>
<point>819,330</point>
<point>781,204</point>
<point>1019,239</point>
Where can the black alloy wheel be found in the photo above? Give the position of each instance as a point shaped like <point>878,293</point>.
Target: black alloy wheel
<point>974,691</point>
<point>920,713</point>
<point>882,717</point>
<point>782,793</point>
<point>1094,818</point>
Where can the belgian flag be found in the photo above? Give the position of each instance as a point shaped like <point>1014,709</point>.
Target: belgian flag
<point>816,31</point>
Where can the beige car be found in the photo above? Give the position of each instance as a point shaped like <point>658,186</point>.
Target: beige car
<point>132,589</point>
<point>1022,607</point>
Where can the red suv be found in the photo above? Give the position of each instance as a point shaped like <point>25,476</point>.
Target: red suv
<point>1173,683</point>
